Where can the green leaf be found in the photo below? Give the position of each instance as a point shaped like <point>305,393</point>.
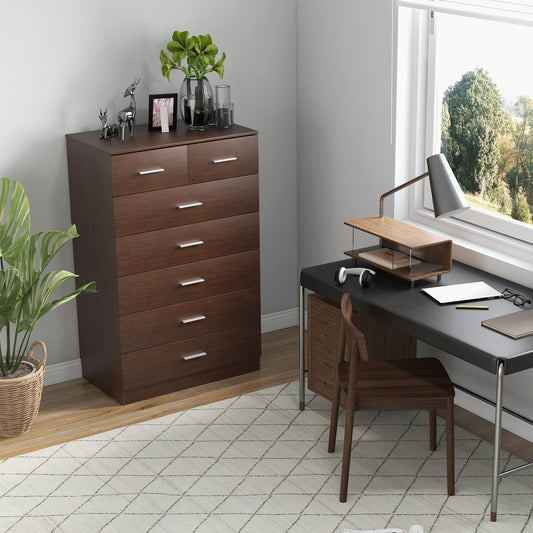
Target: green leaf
<point>10,289</point>
<point>40,249</point>
<point>182,38</point>
<point>218,67</point>
<point>166,65</point>
<point>15,225</point>
<point>36,302</point>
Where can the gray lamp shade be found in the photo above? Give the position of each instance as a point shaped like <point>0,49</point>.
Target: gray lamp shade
<point>448,198</point>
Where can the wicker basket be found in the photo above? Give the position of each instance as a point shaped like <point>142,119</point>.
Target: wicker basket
<point>20,398</point>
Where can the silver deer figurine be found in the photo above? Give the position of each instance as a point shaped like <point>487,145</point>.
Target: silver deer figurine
<point>127,115</point>
<point>108,130</point>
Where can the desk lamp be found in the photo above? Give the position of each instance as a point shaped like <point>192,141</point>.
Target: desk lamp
<point>447,196</point>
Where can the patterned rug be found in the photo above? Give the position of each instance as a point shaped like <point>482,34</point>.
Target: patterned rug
<point>256,463</point>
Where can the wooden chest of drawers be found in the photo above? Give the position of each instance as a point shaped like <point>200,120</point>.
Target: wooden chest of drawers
<point>169,230</point>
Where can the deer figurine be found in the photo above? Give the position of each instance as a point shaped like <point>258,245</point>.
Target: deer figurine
<point>127,115</point>
<point>108,130</point>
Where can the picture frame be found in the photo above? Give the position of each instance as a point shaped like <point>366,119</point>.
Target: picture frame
<point>154,103</point>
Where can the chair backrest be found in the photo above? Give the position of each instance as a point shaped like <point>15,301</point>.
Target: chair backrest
<point>352,347</point>
<point>355,343</point>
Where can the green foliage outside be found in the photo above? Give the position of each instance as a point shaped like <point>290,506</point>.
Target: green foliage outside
<point>489,148</point>
<point>520,209</point>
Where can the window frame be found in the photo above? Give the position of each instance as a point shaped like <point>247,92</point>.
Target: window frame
<point>477,236</point>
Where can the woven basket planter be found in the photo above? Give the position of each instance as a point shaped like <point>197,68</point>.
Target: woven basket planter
<point>20,398</point>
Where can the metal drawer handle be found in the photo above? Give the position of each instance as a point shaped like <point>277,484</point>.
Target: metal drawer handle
<point>225,160</point>
<point>189,244</point>
<point>151,171</point>
<point>194,356</point>
<point>190,204</point>
<point>191,319</point>
<point>188,282</point>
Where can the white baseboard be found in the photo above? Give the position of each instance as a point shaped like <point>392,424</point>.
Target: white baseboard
<point>279,320</point>
<point>59,372</point>
<point>486,411</point>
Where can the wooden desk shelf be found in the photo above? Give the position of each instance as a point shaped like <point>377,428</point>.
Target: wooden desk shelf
<point>433,251</point>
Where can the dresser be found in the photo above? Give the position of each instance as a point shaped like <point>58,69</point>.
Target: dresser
<point>169,230</point>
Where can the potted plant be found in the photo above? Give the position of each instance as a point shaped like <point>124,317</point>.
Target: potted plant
<point>26,292</point>
<point>195,94</point>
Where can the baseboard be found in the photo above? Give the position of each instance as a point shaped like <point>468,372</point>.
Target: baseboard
<point>486,411</point>
<point>279,320</point>
<point>59,372</point>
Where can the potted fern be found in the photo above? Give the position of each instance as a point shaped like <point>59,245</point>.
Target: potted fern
<point>26,295</point>
<point>195,94</point>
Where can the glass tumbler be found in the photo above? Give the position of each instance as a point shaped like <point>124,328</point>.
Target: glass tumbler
<point>223,106</point>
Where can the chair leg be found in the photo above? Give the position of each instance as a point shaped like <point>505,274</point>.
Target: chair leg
<point>450,453</point>
<point>432,430</point>
<point>346,453</point>
<point>334,418</point>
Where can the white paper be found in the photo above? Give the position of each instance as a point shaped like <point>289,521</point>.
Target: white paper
<point>462,292</point>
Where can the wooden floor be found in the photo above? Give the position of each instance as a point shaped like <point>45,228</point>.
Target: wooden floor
<point>76,409</point>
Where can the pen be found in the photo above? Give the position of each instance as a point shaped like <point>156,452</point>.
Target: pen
<point>480,307</point>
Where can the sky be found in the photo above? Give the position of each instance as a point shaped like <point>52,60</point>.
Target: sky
<point>503,49</point>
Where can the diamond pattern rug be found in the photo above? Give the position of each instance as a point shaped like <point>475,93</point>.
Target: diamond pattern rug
<point>256,463</point>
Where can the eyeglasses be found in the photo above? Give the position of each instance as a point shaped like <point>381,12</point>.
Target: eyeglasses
<point>515,297</point>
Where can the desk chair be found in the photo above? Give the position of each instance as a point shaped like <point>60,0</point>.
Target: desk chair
<point>385,385</point>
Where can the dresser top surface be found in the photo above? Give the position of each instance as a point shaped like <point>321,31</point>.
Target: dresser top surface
<point>145,139</point>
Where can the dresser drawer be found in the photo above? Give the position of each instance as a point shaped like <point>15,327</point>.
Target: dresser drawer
<point>217,160</point>
<point>176,360</point>
<point>179,206</point>
<point>190,319</point>
<point>149,170</point>
<point>183,283</point>
<point>186,244</point>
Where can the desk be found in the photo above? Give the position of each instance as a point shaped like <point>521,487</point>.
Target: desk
<point>457,332</point>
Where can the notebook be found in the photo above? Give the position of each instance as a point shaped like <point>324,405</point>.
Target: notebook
<point>462,292</point>
<point>515,325</point>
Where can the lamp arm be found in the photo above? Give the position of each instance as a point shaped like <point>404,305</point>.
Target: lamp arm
<point>399,188</point>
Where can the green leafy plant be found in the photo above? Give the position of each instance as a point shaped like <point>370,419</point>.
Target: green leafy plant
<point>199,53</point>
<point>26,289</point>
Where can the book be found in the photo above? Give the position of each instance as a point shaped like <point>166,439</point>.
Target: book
<point>389,258</point>
<point>516,325</point>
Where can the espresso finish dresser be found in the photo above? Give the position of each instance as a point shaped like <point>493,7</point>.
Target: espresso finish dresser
<point>169,230</point>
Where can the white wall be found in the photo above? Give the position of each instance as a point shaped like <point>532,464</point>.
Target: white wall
<point>62,60</point>
<point>345,150</point>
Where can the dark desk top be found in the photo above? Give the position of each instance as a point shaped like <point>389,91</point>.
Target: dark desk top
<point>408,309</point>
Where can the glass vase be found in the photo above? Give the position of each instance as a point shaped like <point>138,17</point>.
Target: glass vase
<point>196,103</point>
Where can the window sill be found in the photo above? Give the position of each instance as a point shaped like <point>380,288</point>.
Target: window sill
<point>494,253</point>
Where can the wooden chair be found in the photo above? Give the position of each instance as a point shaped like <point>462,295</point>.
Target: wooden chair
<point>398,384</point>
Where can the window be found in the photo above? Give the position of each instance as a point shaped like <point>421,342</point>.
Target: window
<point>473,94</point>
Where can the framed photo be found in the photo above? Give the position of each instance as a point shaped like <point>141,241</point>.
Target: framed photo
<point>159,102</point>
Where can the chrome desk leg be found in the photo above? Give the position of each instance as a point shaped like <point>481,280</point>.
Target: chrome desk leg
<point>497,442</point>
<point>302,347</point>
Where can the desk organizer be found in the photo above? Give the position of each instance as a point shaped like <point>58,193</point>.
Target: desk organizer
<point>431,254</point>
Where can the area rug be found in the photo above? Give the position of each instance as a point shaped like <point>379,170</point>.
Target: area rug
<point>256,463</point>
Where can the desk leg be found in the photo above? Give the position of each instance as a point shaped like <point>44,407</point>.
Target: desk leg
<point>497,442</point>
<point>302,347</point>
